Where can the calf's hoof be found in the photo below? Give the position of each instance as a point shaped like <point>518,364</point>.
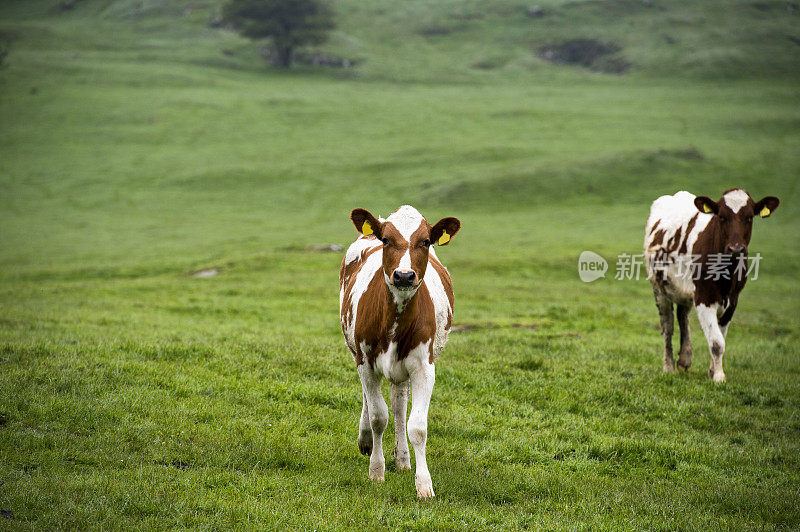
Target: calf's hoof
<point>424,488</point>
<point>402,460</point>
<point>716,377</point>
<point>376,472</point>
<point>365,445</point>
<point>669,367</point>
<point>684,365</point>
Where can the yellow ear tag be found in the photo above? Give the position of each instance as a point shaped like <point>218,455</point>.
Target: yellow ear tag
<point>706,208</point>
<point>444,239</point>
<point>366,229</point>
<point>764,212</point>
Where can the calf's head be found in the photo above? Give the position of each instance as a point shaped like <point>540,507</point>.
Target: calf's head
<point>735,211</point>
<point>406,237</point>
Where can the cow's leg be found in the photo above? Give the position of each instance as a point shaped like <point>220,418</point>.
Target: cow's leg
<point>399,396</point>
<point>364,430</point>
<point>685,354</point>
<point>378,419</point>
<point>716,339</point>
<point>422,380</point>
<point>667,323</point>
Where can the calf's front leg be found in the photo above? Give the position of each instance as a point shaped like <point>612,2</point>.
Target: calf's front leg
<point>715,337</point>
<point>422,380</point>
<point>378,419</point>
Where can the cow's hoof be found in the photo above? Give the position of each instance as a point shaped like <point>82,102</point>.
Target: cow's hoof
<point>716,377</point>
<point>365,445</point>
<point>684,365</point>
<point>424,488</point>
<point>402,460</point>
<point>375,474</point>
<point>669,367</point>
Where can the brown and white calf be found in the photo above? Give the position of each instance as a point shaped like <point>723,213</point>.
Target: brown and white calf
<point>396,306</point>
<point>684,235</point>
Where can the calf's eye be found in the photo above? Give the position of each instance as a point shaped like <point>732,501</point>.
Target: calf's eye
<point>385,241</point>
<point>426,243</point>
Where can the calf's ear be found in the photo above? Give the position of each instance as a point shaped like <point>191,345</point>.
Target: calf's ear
<point>444,230</point>
<point>365,223</point>
<point>766,206</point>
<point>706,205</point>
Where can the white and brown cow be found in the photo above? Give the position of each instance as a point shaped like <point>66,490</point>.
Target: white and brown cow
<point>684,235</point>
<point>396,305</point>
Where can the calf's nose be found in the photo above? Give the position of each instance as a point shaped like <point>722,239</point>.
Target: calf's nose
<point>403,278</point>
<point>736,249</point>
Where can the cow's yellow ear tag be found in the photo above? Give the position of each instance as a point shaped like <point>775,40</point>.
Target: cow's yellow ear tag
<point>366,229</point>
<point>765,212</point>
<point>444,239</point>
<point>706,208</point>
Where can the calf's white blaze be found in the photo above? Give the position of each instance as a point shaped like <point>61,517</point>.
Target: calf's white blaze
<point>736,199</point>
<point>406,219</point>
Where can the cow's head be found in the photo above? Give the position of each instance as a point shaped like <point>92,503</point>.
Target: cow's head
<point>407,238</point>
<point>735,211</point>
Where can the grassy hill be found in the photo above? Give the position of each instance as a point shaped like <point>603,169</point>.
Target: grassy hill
<point>139,145</point>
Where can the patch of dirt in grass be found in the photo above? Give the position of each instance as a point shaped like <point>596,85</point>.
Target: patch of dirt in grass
<point>589,53</point>
<point>6,514</point>
<point>4,419</point>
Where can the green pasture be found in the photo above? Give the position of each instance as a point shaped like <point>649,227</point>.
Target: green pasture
<point>139,145</point>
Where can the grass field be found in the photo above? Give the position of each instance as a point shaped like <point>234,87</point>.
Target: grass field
<point>138,145</point>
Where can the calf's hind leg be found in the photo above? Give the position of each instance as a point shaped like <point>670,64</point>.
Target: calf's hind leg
<point>364,430</point>
<point>685,355</point>
<point>667,324</point>
<point>399,396</point>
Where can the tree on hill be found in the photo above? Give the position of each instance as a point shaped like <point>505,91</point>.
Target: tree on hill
<point>289,23</point>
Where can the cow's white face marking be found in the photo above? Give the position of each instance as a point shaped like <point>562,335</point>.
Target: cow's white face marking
<point>406,220</point>
<point>736,199</point>
<point>405,261</point>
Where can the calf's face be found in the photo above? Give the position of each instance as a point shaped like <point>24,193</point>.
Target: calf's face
<point>405,258</point>
<point>735,211</point>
